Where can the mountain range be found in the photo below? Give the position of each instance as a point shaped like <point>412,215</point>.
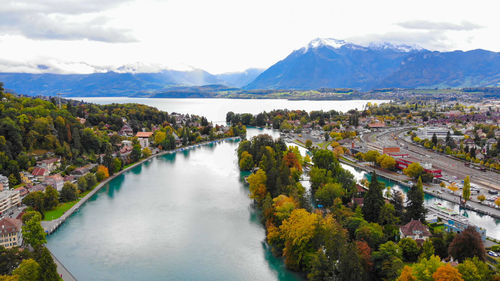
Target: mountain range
<point>322,63</point>
<point>335,63</point>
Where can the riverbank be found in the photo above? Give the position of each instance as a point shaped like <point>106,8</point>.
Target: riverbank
<point>471,205</point>
<point>50,226</point>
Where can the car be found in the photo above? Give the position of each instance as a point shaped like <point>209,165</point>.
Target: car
<point>493,254</point>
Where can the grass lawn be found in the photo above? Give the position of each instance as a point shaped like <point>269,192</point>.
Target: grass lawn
<point>59,210</point>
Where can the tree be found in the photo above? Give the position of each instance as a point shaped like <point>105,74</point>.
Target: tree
<point>474,270</point>
<point>410,249</point>
<point>388,261</point>
<point>47,265</point>
<point>9,278</point>
<point>257,185</point>
<point>447,273</point>
<point>414,170</point>
<point>387,162</point>
<point>11,258</point>
<point>146,152</point>
<point>371,156</point>
<point>350,266</point>
<point>427,249</point>
<point>136,153</point>
<point>246,161</point>
<point>324,159</point>
<point>35,200</point>
<point>467,244</point>
<point>117,164</point>
<point>102,173</point>
<point>466,189</point>
<point>328,192</point>
<point>425,268</point>
<point>434,139</point>
<point>69,192</point>
<point>373,200</point>
<point>297,231</point>
<point>415,209</point>
<point>82,184</point>
<point>32,230</point>
<point>28,270</point>
<point>309,143</point>
<point>50,198</point>
<point>406,274</point>
<point>371,233</point>
<point>91,180</point>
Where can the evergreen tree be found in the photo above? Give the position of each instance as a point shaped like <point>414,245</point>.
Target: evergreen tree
<point>434,139</point>
<point>415,209</point>
<point>373,201</point>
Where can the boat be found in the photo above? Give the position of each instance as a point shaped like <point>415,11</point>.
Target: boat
<point>443,209</point>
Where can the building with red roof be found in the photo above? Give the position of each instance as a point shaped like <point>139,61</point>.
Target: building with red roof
<point>415,230</point>
<point>10,231</point>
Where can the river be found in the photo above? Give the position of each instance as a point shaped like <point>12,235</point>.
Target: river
<point>181,216</point>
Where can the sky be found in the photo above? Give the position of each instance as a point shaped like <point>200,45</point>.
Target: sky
<point>85,36</point>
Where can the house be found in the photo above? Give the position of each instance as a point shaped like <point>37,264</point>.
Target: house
<point>22,191</point>
<point>490,142</point>
<point>143,138</point>
<point>126,131</point>
<point>11,234</point>
<point>50,164</point>
<point>81,120</point>
<point>415,230</point>
<point>56,181</point>
<point>8,199</point>
<point>40,173</point>
<point>80,171</point>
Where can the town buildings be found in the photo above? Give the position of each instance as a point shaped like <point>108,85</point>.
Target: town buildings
<point>8,199</point>
<point>10,233</point>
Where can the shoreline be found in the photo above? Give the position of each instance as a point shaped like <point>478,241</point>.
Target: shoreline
<point>50,226</point>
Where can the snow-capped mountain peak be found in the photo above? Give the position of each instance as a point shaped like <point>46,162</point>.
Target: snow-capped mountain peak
<point>328,42</point>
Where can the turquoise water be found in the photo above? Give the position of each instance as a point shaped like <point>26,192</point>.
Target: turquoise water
<point>183,216</point>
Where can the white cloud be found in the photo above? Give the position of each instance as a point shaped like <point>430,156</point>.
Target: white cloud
<point>229,35</point>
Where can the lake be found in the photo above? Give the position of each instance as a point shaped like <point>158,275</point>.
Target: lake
<point>215,109</point>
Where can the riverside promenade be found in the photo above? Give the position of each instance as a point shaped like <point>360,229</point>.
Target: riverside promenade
<point>51,226</point>
<point>429,189</point>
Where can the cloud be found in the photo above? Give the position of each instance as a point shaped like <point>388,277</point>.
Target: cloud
<point>62,20</point>
<point>432,40</point>
<point>436,26</point>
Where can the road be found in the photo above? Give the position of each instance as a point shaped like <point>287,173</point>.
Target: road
<point>452,168</point>
<point>63,272</point>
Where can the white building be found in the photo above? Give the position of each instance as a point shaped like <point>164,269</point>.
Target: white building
<point>8,199</point>
<point>10,233</point>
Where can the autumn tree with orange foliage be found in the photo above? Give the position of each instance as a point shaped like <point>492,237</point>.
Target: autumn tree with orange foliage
<point>365,254</point>
<point>406,274</point>
<point>102,173</point>
<point>447,273</point>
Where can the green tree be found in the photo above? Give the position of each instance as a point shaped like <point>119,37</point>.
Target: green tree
<point>373,200</point>
<point>410,249</point>
<point>427,249</point>
<point>32,230</point>
<point>434,139</point>
<point>69,192</point>
<point>328,192</point>
<point>371,156</point>
<point>415,209</point>
<point>82,184</point>
<point>350,267</point>
<point>246,161</point>
<point>474,270</point>
<point>136,153</point>
<point>47,265</point>
<point>28,270</point>
<point>388,261</point>
<point>466,189</point>
<point>414,170</point>
<point>117,164</point>
<point>425,268</point>
<point>51,198</point>
<point>371,233</point>
<point>309,144</point>
<point>35,200</point>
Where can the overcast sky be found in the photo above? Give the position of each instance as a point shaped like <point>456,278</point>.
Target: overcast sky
<point>82,36</point>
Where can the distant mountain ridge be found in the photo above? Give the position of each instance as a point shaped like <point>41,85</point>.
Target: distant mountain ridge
<point>118,83</point>
<point>332,63</point>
